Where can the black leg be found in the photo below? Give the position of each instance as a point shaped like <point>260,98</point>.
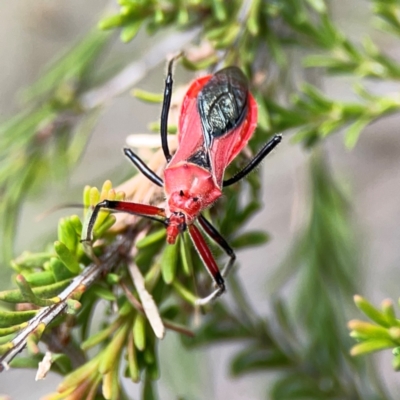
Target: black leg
<point>268,147</point>
<point>218,238</point>
<point>143,168</point>
<point>165,111</point>
<point>143,210</point>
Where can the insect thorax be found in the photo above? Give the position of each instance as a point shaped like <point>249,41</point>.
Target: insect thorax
<point>189,189</point>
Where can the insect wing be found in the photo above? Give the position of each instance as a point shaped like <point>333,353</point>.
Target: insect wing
<point>228,114</point>
<point>190,134</point>
<point>226,148</point>
<point>222,103</point>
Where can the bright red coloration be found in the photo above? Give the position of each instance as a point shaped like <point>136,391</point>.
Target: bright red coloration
<point>189,188</point>
<point>218,117</point>
<point>224,149</point>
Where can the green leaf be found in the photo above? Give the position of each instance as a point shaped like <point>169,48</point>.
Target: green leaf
<point>48,291</point>
<point>389,313</point>
<point>169,262</point>
<point>199,65</point>
<point>130,31</point>
<point>183,16</point>
<point>256,358</point>
<point>73,306</point>
<point>155,127</point>
<point>9,318</point>
<point>28,260</point>
<point>325,61</point>
<point>230,36</point>
<point>61,364</point>
<point>254,17</point>
<point>133,365</point>
<point>366,330</point>
<point>184,292</point>
<point>67,257</point>
<point>219,10</point>
<point>153,371</point>
<point>370,311</point>
<point>217,33</point>
<point>108,222</point>
<point>148,96</point>
<point>104,293</point>
<point>110,22</point>
<point>59,270</point>
<point>148,389</point>
<point>110,355</point>
<point>139,332</point>
<point>264,120</point>
<point>370,346</point>
<point>152,238</point>
<point>149,355</point>
<point>353,132</point>
<point>253,238</point>
<point>125,307</point>
<point>317,97</point>
<point>12,329</point>
<point>98,337</point>
<point>297,386</point>
<point>318,5</point>
<point>29,296</point>
<point>42,278</point>
<point>396,362</point>
<point>113,279</point>
<point>186,256</point>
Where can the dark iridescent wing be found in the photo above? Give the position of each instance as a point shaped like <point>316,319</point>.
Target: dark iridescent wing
<point>222,103</point>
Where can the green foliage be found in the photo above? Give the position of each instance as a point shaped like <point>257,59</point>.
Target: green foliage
<point>49,135</point>
<point>382,333</point>
<point>303,342</point>
<point>126,340</point>
<point>155,15</point>
<point>308,345</point>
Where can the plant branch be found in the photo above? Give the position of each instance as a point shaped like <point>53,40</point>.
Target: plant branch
<point>115,254</point>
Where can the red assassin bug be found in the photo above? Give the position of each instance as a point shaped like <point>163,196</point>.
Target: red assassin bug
<point>217,119</point>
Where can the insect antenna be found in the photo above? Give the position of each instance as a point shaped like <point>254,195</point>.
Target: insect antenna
<point>165,109</point>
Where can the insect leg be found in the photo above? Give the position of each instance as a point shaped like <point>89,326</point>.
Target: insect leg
<point>210,263</point>
<point>268,147</point>
<point>143,168</point>
<point>165,110</point>
<point>219,239</point>
<point>142,210</point>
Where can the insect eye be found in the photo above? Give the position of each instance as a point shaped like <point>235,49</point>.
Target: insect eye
<point>181,193</point>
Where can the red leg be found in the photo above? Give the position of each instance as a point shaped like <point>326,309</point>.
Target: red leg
<point>143,210</point>
<point>219,239</point>
<point>209,261</point>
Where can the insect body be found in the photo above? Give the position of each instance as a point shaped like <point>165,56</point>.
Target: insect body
<point>217,119</point>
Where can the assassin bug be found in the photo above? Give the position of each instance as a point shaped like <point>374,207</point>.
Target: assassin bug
<point>217,119</point>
